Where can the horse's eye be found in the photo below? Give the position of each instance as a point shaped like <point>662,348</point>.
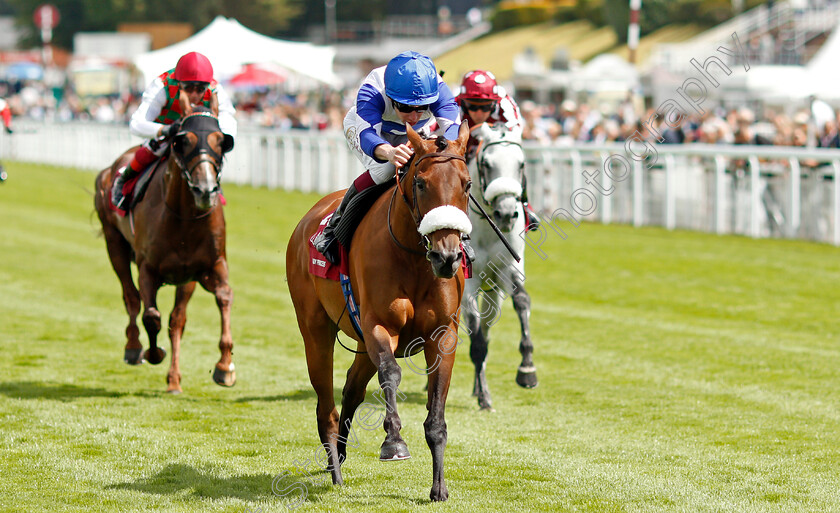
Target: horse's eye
<point>421,185</point>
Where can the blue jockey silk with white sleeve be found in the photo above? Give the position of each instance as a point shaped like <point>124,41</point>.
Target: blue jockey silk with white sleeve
<point>377,121</point>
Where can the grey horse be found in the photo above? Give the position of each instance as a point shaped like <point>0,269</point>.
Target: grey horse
<point>497,168</point>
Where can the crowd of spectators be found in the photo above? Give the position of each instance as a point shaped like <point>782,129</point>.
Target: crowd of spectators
<point>565,123</point>
<point>571,123</point>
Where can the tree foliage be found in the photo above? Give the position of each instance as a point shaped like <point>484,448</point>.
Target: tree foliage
<point>266,16</point>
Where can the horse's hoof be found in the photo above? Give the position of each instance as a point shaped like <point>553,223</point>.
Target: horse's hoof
<point>174,391</point>
<point>154,356</point>
<point>439,494</point>
<point>224,378</point>
<point>394,451</point>
<point>526,377</point>
<point>487,407</point>
<point>133,356</point>
<point>336,478</point>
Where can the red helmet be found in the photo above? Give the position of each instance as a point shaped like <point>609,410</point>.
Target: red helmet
<point>193,67</point>
<point>479,85</point>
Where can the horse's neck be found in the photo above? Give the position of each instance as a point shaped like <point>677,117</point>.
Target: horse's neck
<point>402,221</point>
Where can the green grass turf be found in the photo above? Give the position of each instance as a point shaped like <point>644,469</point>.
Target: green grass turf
<point>678,372</point>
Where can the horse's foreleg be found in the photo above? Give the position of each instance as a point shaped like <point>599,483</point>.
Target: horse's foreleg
<point>217,282</point>
<point>177,321</point>
<point>477,321</point>
<point>119,252</point>
<point>381,352</point>
<point>355,387</point>
<point>526,375</point>
<point>149,285</point>
<point>435,424</point>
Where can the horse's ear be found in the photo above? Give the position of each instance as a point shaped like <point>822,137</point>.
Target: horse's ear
<point>227,143</point>
<point>515,134</point>
<point>415,139</point>
<point>463,136</point>
<point>214,103</point>
<point>184,102</point>
<point>481,131</point>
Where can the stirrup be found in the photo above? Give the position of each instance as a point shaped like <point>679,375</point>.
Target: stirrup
<point>533,220</point>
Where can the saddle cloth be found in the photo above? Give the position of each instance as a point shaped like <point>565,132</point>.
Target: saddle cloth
<point>320,266</point>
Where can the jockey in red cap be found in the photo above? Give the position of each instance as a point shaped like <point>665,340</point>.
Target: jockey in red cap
<point>157,118</point>
<point>483,100</point>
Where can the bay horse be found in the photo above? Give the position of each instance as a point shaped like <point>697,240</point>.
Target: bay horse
<point>497,168</point>
<point>408,299</point>
<point>176,236</point>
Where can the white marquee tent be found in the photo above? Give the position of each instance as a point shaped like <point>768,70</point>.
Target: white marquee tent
<point>230,46</point>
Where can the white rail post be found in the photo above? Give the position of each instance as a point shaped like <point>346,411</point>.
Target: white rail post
<point>606,209</point>
<point>755,197</point>
<point>720,198</point>
<point>836,165</point>
<point>670,198</point>
<point>794,205</point>
<point>638,194</point>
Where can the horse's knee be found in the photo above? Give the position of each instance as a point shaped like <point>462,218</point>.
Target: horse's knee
<point>389,373</point>
<point>521,300</point>
<point>224,296</point>
<point>435,428</point>
<point>151,319</point>
<point>478,347</point>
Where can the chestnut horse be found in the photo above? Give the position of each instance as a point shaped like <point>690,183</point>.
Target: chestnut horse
<point>176,236</point>
<point>408,299</point>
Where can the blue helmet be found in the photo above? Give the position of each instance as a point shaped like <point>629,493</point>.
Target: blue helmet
<point>411,78</point>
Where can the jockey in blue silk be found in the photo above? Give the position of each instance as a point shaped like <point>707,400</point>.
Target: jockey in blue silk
<point>407,90</point>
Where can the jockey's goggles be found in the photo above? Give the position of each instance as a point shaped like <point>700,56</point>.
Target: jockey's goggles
<point>406,109</point>
<point>484,107</point>
<point>194,87</point>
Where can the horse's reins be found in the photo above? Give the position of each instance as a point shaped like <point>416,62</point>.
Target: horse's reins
<point>417,218</point>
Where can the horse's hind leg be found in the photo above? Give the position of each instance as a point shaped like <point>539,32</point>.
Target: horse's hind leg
<point>435,424</point>
<point>177,321</point>
<point>149,285</point>
<point>318,333</point>
<point>217,283</point>
<point>358,377</point>
<point>119,252</point>
<point>526,375</point>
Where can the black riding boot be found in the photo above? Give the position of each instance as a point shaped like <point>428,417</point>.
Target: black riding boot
<point>533,221</point>
<point>325,242</point>
<point>117,188</point>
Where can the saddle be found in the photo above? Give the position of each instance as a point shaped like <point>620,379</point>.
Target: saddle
<point>353,214</point>
<point>355,211</point>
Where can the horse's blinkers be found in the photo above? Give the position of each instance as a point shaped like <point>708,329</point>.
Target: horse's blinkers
<point>201,125</point>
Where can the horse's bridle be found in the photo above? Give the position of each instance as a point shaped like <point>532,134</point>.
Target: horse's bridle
<point>412,206</point>
<point>482,167</point>
<point>202,149</point>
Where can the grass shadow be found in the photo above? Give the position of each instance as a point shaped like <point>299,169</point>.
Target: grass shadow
<point>308,393</point>
<point>55,391</point>
<point>204,484</point>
